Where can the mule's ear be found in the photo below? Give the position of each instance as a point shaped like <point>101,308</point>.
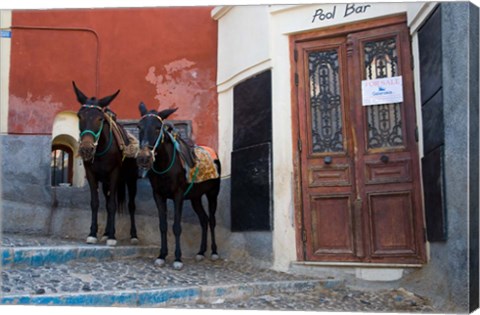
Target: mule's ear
<point>107,99</point>
<point>82,99</point>
<point>167,112</point>
<point>143,109</point>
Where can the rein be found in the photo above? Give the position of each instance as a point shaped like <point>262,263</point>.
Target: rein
<point>171,163</point>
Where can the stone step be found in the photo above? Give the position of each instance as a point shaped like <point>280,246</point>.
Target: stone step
<point>163,297</point>
<point>18,250</point>
<point>36,256</point>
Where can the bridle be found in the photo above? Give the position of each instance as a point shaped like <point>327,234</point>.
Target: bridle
<point>160,139</point>
<point>96,135</point>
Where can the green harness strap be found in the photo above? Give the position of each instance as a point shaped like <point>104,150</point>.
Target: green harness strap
<point>96,137</point>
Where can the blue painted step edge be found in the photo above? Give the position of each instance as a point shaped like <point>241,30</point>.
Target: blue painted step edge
<point>161,297</point>
<point>126,298</point>
<point>35,256</point>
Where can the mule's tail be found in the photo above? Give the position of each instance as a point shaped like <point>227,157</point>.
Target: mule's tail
<point>219,167</point>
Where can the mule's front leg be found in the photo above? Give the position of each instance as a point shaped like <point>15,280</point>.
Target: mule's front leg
<point>177,230</point>
<point>161,203</point>
<point>132,191</point>
<point>106,193</point>
<point>94,204</point>
<point>111,197</point>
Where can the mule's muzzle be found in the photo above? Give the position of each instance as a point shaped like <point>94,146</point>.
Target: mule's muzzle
<point>145,159</point>
<point>86,150</point>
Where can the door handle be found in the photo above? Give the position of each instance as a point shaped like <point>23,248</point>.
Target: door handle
<point>384,158</point>
<point>327,160</point>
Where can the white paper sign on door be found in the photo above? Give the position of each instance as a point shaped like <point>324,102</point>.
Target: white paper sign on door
<point>382,91</point>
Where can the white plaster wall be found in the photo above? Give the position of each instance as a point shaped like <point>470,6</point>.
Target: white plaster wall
<point>284,233</point>
<point>238,29</point>
<point>284,20</point>
<point>5,44</point>
<point>225,125</point>
<point>66,123</point>
<point>65,131</point>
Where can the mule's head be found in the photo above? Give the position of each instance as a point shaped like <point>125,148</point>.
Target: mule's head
<point>151,134</point>
<point>91,119</point>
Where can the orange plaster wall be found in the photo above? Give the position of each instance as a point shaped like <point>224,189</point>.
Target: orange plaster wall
<point>165,57</point>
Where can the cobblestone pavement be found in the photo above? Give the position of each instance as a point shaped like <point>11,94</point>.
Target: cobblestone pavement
<point>339,299</point>
<point>141,273</point>
<point>125,275</point>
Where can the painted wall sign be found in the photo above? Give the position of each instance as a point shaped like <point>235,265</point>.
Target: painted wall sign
<point>382,91</point>
<point>343,11</point>
<point>6,34</point>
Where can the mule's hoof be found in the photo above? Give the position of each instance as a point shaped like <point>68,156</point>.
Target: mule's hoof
<point>178,265</point>
<point>215,257</point>
<point>111,242</point>
<point>199,257</point>
<point>104,239</point>
<point>159,262</point>
<point>92,240</point>
<point>134,241</point>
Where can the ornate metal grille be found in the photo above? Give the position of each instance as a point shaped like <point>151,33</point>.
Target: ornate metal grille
<point>325,101</point>
<point>384,121</point>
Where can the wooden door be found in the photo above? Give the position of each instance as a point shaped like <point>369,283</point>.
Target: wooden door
<point>358,165</point>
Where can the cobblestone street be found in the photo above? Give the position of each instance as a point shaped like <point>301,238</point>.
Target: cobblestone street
<point>328,300</point>
<point>199,285</point>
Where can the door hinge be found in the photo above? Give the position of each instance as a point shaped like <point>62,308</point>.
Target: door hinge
<point>295,55</point>
<point>425,236</point>
<point>416,134</point>
<point>296,79</point>
<point>299,144</point>
<point>304,236</point>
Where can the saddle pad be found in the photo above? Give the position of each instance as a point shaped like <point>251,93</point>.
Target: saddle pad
<point>206,167</point>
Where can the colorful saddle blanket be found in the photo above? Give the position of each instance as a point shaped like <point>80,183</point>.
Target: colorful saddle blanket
<point>204,168</point>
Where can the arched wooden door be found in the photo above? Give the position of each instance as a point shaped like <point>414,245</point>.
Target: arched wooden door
<point>358,167</point>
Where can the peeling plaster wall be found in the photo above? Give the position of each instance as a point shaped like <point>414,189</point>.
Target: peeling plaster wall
<point>165,57</point>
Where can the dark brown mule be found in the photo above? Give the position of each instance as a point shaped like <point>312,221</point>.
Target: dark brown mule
<point>105,163</point>
<point>161,154</point>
